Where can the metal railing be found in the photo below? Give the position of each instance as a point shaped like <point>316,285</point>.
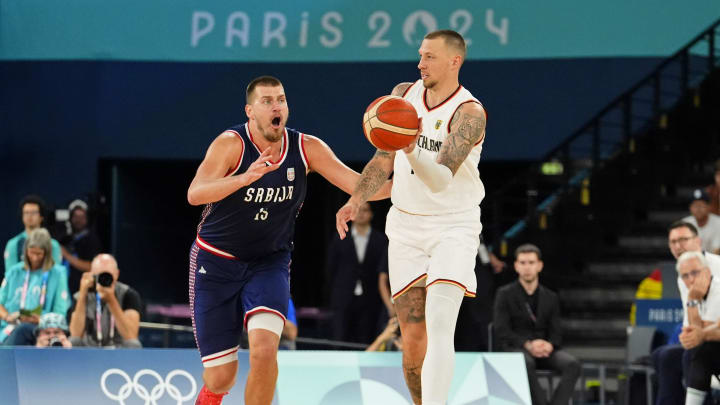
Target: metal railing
<point>308,341</point>
<point>527,199</point>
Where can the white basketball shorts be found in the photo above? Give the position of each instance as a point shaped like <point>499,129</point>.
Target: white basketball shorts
<point>427,249</point>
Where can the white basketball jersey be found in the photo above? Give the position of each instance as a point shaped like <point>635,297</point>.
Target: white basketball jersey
<point>466,190</point>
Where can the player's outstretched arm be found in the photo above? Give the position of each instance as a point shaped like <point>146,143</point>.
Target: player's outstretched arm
<point>467,129</point>
<point>374,176</point>
<point>322,160</point>
<point>211,184</point>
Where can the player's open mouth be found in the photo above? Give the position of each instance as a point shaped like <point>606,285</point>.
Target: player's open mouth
<point>275,122</point>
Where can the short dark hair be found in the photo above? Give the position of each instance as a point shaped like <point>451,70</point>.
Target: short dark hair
<point>452,38</point>
<point>33,199</point>
<point>528,248</point>
<point>260,81</point>
<point>680,224</point>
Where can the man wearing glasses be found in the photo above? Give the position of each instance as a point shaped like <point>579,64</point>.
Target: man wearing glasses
<point>31,211</point>
<point>701,335</point>
<point>682,237</point>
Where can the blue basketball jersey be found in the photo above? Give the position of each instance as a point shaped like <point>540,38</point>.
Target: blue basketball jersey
<point>258,219</point>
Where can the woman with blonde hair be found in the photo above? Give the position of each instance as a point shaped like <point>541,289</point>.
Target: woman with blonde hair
<point>33,287</point>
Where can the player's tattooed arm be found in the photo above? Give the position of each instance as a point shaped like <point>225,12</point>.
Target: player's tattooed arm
<point>374,175</point>
<point>400,89</point>
<point>467,129</point>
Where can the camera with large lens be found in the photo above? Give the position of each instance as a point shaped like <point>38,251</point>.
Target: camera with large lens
<point>105,279</point>
<point>55,342</point>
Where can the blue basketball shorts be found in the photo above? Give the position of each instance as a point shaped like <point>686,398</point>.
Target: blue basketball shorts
<point>224,293</point>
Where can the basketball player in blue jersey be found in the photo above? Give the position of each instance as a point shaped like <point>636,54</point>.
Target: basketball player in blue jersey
<point>434,223</point>
<point>252,182</point>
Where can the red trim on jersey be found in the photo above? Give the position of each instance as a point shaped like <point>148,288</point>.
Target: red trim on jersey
<point>302,150</point>
<point>220,356</point>
<point>242,152</point>
<point>458,107</point>
<point>284,146</point>
<point>261,309</point>
<point>408,89</point>
<point>468,293</point>
<point>409,286</point>
<point>444,101</point>
<point>212,249</point>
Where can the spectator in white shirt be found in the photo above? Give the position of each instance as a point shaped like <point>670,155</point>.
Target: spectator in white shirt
<point>707,223</point>
<point>700,335</point>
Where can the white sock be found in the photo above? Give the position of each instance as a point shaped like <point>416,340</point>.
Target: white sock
<point>442,305</point>
<point>694,397</point>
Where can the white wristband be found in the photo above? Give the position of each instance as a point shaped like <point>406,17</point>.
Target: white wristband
<point>436,176</point>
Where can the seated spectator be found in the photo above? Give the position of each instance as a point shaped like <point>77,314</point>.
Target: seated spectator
<point>667,360</point>
<point>527,319</point>
<point>52,331</point>
<point>702,310</point>
<point>80,244</point>
<point>118,304</point>
<point>33,287</point>
<point>389,339</point>
<point>32,211</point>
<point>707,224</point>
<point>713,191</point>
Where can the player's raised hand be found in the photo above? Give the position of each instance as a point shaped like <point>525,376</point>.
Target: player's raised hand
<point>260,167</point>
<point>345,214</point>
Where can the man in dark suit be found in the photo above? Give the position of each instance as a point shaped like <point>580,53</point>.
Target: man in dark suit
<point>527,319</point>
<point>353,265</point>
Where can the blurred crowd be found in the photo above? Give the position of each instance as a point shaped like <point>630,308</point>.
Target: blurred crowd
<point>59,289</point>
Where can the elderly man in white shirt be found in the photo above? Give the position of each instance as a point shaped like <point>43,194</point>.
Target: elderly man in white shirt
<point>700,335</point>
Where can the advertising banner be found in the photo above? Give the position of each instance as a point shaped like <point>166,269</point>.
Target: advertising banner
<point>664,314</point>
<point>341,31</point>
<point>174,376</point>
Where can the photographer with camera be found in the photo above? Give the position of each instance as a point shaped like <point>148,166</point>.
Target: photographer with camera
<point>52,331</point>
<point>106,311</point>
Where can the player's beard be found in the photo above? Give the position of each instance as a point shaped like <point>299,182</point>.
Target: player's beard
<point>429,84</point>
<point>272,134</point>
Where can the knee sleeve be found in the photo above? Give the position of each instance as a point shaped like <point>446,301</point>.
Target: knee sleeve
<point>267,321</point>
<point>442,305</point>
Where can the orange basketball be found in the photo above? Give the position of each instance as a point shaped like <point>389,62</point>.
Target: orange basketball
<point>390,123</point>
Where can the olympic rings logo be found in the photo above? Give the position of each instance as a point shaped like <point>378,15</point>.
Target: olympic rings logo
<point>155,393</point>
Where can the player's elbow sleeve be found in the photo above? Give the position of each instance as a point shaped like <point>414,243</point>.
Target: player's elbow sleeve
<point>436,176</point>
<point>441,181</point>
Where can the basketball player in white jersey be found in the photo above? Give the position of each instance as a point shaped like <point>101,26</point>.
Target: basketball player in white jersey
<point>434,223</point>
